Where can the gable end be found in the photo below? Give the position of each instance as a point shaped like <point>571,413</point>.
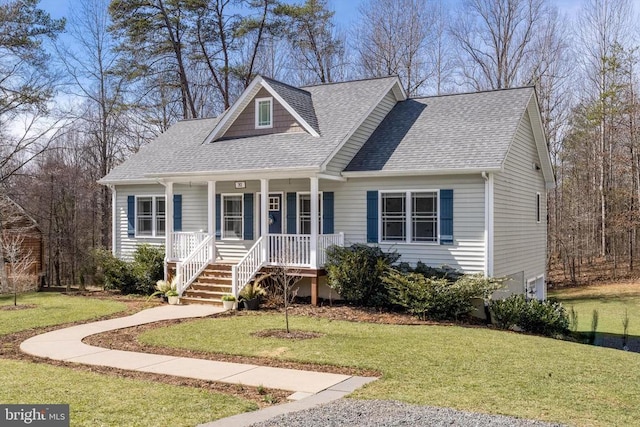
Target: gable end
<point>246,124</point>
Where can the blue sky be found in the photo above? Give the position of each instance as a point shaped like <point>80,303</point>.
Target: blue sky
<point>346,10</point>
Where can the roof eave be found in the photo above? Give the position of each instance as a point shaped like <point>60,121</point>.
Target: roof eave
<point>127,181</point>
<point>419,172</point>
<point>241,174</point>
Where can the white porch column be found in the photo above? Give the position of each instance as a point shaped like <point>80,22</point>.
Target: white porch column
<point>168,222</point>
<point>114,221</point>
<point>264,216</point>
<point>314,221</point>
<point>211,207</point>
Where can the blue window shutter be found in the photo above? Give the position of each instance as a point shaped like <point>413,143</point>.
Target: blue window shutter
<point>446,217</point>
<point>327,212</point>
<point>291,213</point>
<point>218,219</point>
<point>372,216</point>
<point>177,212</point>
<point>248,216</point>
<point>131,216</point>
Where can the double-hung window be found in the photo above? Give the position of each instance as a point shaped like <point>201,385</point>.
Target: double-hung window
<point>409,216</point>
<point>150,216</point>
<point>394,217</point>
<point>264,113</point>
<point>232,216</point>
<point>304,213</point>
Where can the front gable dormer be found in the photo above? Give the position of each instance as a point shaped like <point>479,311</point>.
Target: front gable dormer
<point>267,107</point>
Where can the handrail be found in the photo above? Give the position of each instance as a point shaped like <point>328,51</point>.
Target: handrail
<point>188,270</point>
<point>248,266</point>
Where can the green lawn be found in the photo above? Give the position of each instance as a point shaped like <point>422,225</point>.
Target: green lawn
<point>474,369</point>
<point>100,400</point>
<point>610,300</point>
<point>95,399</point>
<point>52,309</point>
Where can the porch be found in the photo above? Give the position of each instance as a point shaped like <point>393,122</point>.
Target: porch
<point>195,258</point>
<point>249,228</point>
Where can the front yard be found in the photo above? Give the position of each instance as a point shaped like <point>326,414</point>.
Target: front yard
<point>475,369</point>
<point>104,398</point>
<point>470,368</point>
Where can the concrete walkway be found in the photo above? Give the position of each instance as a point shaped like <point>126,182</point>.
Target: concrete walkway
<point>309,388</point>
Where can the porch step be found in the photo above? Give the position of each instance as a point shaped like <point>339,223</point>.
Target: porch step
<point>232,252</point>
<point>195,300</point>
<point>213,283</point>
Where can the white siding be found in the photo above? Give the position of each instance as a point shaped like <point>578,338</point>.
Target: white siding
<point>194,206</point>
<point>350,216</point>
<point>195,211</point>
<point>125,245</point>
<point>467,253</point>
<point>360,136</point>
<point>520,242</point>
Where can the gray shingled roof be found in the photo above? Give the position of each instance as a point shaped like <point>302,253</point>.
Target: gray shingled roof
<point>464,131</point>
<point>299,99</point>
<point>338,108</point>
<point>153,157</point>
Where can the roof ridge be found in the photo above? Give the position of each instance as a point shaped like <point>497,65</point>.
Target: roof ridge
<point>195,119</point>
<point>351,81</point>
<point>269,79</point>
<point>473,93</point>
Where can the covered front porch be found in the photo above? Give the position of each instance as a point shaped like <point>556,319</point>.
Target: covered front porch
<point>250,230</point>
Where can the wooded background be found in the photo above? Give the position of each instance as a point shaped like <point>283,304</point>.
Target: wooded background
<point>73,107</point>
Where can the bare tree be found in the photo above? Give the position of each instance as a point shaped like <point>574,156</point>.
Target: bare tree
<point>602,25</point>
<point>15,259</point>
<point>284,276</point>
<point>91,64</point>
<point>496,39</point>
<point>21,276</point>
<point>393,38</point>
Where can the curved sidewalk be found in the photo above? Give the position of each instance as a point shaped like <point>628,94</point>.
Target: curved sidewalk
<point>66,344</point>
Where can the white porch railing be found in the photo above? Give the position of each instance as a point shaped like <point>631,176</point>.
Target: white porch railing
<point>248,266</point>
<point>292,250</point>
<point>190,268</point>
<point>324,242</point>
<point>184,243</point>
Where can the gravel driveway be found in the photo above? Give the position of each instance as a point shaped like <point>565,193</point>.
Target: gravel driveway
<point>376,413</point>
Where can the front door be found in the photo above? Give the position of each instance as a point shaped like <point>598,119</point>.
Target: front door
<point>274,206</point>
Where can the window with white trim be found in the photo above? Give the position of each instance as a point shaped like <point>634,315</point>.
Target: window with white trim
<point>304,213</point>
<point>538,207</point>
<point>264,113</point>
<point>232,216</point>
<point>150,216</point>
<point>409,216</point>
